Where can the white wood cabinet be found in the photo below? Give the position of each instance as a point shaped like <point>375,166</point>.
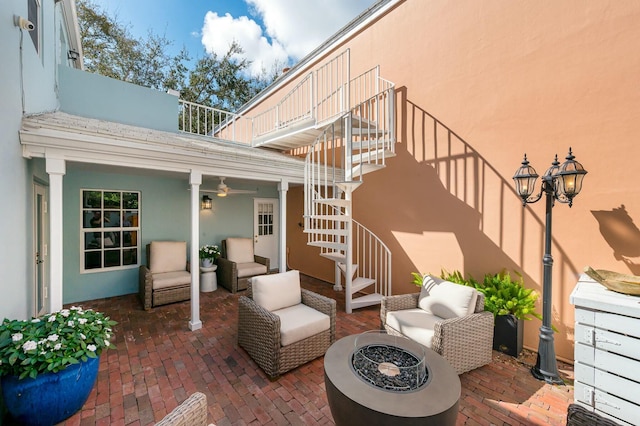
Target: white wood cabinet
<point>607,351</point>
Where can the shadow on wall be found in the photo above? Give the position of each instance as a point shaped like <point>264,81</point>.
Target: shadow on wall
<point>622,235</point>
<point>440,184</point>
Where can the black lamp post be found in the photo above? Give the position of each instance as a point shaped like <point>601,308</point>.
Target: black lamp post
<point>562,183</point>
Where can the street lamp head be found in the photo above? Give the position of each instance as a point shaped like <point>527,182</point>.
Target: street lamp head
<point>570,176</point>
<point>525,179</point>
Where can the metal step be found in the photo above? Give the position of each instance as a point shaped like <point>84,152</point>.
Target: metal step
<point>368,145</point>
<point>367,156</point>
<point>331,217</point>
<point>368,300</point>
<point>338,202</point>
<point>363,169</point>
<point>328,245</point>
<point>361,283</point>
<point>351,185</point>
<point>325,231</point>
<point>336,256</point>
<point>343,267</point>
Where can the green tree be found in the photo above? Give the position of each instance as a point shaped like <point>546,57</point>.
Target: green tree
<point>110,49</point>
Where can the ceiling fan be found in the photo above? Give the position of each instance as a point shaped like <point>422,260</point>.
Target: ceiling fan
<point>223,190</point>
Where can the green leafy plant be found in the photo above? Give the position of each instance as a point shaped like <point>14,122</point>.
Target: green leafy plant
<point>503,295</point>
<point>209,252</point>
<point>52,342</point>
<point>417,278</point>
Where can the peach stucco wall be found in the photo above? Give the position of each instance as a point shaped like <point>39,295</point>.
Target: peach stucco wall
<point>478,84</point>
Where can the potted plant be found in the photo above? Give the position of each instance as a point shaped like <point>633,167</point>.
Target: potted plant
<point>49,365</point>
<point>509,301</point>
<point>208,255</point>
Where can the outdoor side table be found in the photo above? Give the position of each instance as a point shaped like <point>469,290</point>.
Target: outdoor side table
<point>208,279</point>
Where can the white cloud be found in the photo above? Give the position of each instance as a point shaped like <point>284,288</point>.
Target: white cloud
<point>292,29</point>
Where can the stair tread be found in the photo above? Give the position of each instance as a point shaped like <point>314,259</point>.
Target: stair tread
<point>338,217</point>
<point>336,256</point>
<point>367,300</point>
<point>326,244</point>
<point>333,201</point>
<point>325,231</point>
<point>360,282</point>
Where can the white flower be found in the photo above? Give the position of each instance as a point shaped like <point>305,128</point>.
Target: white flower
<point>35,320</point>
<point>16,337</point>
<point>98,322</point>
<point>52,338</point>
<point>92,348</point>
<point>64,313</point>
<point>107,343</point>
<point>52,318</point>
<point>29,345</point>
<point>76,308</point>
<point>82,321</point>
<point>71,323</point>
<point>82,336</point>
<point>107,336</point>
<point>57,346</point>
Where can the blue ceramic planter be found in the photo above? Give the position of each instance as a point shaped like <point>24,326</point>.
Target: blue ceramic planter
<point>51,397</point>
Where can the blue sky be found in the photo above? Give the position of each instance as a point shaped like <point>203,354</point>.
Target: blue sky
<point>270,31</point>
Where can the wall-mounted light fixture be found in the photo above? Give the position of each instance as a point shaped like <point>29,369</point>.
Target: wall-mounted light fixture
<point>206,202</point>
<point>73,55</point>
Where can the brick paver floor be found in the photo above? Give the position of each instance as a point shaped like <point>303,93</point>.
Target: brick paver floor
<point>159,362</point>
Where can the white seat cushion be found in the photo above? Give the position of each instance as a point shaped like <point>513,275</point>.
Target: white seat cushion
<point>446,299</point>
<point>416,324</point>
<point>240,250</point>
<point>250,269</point>
<point>170,279</point>
<point>167,256</point>
<point>300,321</point>
<point>277,291</point>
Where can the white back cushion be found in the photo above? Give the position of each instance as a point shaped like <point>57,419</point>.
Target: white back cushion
<point>446,299</point>
<point>240,250</point>
<point>167,256</point>
<point>277,291</point>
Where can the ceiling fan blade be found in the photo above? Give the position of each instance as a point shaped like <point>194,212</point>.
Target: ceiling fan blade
<point>241,191</point>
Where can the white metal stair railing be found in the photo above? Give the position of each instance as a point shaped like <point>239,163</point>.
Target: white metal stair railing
<point>364,136</point>
<point>208,121</point>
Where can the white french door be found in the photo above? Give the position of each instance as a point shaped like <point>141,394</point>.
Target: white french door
<point>40,248</point>
<point>265,229</point>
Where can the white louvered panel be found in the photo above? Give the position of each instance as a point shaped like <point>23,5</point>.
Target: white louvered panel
<point>619,344</point>
<point>618,323</point>
<point>584,353</point>
<point>617,407</point>
<point>585,372</point>
<point>618,386</point>
<point>585,316</point>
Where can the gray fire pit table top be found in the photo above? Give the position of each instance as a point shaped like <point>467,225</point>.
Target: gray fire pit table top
<point>352,401</point>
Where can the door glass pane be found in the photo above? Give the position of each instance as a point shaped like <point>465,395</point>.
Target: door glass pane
<point>130,218</point>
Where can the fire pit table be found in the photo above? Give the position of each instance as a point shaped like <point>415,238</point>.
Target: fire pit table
<point>377,379</point>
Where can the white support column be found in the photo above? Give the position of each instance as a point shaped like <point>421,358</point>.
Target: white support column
<point>195,179</point>
<point>56,168</point>
<point>283,187</point>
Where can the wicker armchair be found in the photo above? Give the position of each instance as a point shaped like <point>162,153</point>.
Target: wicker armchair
<point>578,415</point>
<point>192,412</point>
<point>464,339</point>
<point>282,326</point>
<point>166,277</point>
<point>238,263</point>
